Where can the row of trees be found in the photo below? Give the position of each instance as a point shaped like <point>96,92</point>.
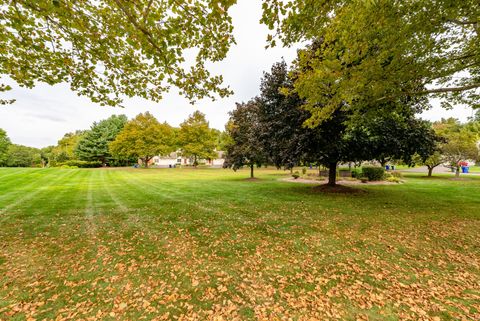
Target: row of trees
<point>145,137</point>
<point>14,155</point>
<point>119,141</point>
<point>276,127</point>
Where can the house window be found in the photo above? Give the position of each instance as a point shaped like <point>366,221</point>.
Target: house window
<point>179,160</point>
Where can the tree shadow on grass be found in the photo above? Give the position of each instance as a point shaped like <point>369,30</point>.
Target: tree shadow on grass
<point>337,189</point>
<point>251,179</point>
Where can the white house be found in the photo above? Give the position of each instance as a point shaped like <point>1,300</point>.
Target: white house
<point>175,159</point>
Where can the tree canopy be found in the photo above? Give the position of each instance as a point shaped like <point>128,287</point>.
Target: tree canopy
<point>65,149</point>
<point>380,50</point>
<point>22,156</point>
<point>110,49</point>
<point>93,146</point>
<point>246,147</point>
<point>196,138</point>
<point>4,144</point>
<point>461,143</point>
<point>344,137</point>
<point>144,137</point>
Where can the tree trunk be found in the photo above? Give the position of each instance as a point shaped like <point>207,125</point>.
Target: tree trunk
<point>251,170</point>
<point>146,161</point>
<point>430,170</point>
<point>332,174</point>
<point>457,172</point>
<point>195,161</point>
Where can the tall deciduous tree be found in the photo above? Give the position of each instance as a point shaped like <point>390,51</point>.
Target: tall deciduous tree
<point>395,134</point>
<point>111,48</point>
<point>144,137</point>
<point>461,143</point>
<point>196,138</point>
<point>434,160</point>
<point>343,137</point>
<point>382,49</point>
<point>93,146</point>
<point>65,149</point>
<point>245,148</point>
<point>4,144</point>
<point>281,118</point>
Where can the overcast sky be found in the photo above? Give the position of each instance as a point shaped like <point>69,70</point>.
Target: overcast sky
<point>41,116</point>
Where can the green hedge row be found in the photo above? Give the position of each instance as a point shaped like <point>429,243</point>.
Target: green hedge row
<point>79,164</point>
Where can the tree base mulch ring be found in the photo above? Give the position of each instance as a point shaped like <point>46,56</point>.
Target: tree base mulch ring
<point>338,189</point>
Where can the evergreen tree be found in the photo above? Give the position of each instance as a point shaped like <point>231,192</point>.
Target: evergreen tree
<point>93,146</point>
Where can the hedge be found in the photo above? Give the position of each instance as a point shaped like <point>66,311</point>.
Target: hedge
<point>373,173</point>
<point>79,164</point>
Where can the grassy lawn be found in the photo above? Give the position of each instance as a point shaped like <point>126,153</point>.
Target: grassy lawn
<point>474,169</point>
<point>205,244</point>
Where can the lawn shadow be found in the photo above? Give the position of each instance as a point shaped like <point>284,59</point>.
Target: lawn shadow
<point>337,189</point>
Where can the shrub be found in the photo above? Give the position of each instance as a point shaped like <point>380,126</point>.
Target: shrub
<point>357,172</point>
<point>396,174</point>
<point>296,175</point>
<point>373,173</point>
<point>363,179</point>
<point>393,179</point>
<point>79,164</point>
<point>304,170</point>
<point>68,167</point>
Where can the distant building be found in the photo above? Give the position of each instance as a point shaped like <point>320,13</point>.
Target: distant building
<point>175,159</point>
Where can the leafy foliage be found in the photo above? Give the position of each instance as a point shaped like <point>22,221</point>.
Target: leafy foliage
<point>196,139</point>
<point>243,128</point>
<point>281,118</point>
<point>380,50</point>
<point>345,136</point>
<point>373,173</point>
<point>80,164</point>
<point>22,156</point>
<point>4,144</point>
<point>65,149</point>
<point>461,143</point>
<point>93,146</point>
<point>144,137</point>
<point>393,134</point>
<point>112,48</point>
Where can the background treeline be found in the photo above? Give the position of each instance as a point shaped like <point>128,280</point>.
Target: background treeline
<point>117,141</point>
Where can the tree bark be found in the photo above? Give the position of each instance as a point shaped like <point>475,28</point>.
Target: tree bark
<point>146,161</point>
<point>457,172</point>
<point>430,170</point>
<point>251,170</point>
<point>332,174</point>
